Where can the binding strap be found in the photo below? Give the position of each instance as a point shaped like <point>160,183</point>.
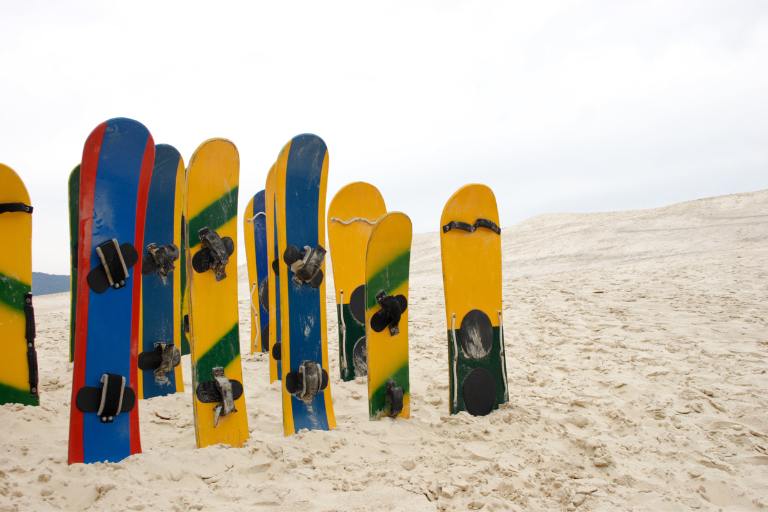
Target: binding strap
<point>109,400</point>
<point>29,334</point>
<point>471,228</point>
<point>15,207</point>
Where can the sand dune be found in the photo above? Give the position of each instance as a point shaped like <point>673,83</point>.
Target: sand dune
<point>636,353</point>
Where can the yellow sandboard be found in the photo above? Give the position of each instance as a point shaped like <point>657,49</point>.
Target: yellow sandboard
<point>351,216</point>
<point>470,244</point>
<point>250,259</point>
<point>273,285</point>
<point>387,265</point>
<point>17,383</point>
<point>212,187</point>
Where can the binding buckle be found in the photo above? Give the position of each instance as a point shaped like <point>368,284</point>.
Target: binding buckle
<point>311,377</point>
<point>161,259</point>
<point>113,262</point>
<point>112,393</point>
<point>224,387</point>
<point>306,264</point>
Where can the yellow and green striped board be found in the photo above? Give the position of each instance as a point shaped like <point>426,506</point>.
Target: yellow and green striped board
<point>470,243</point>
<point>17,383</point>
<point>387,264</point>
<point>212,186</point>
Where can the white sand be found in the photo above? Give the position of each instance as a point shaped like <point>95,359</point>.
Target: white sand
<point>636,351</point>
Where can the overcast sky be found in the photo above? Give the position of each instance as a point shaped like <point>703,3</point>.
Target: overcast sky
<point>559,106</point>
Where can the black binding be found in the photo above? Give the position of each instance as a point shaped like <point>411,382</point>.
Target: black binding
<point>392,309</point>
<point>307,382</point>
<point>276,351</point>
<point>162,360</point>
<point>109,400</point>
<point>221,391</point>
<point>471,228</point>
<point>15,207</point>
<point>160,259</point>
<point>306,264</point>
<point>215,253</point>
<point>394,398</point>
<point>29,335</point>
<point>115,260</point>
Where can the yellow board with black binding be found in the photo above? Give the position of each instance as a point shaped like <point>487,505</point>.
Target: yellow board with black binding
<point>18,371</point>
<point>353,212</point>
<point>470,242</point>
<point>212,187</point>
<point>387,263</point>
<point>273,280</point>
<point>250,261</point>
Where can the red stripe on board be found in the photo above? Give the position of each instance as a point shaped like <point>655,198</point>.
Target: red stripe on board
<point>142,195</point>
<point>88,168</point>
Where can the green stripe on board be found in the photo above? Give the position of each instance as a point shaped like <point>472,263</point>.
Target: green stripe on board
<point>213,216</point>
<point>378,400</point>
<point>12,292</point>
<point>388,278</point>
<point>11,395</point>
<point>223,352</point>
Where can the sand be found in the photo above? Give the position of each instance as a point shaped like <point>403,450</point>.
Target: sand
<point>636,353</point>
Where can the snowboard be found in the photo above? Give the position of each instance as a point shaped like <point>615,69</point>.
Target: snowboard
<point>302,173</point>
<point>18,371</point>
<point>470,243</point>
<point>217,376</point>
<point>255,230</point>
<point>160,336</point>
<point>115,174</point>
<point>387,261</point>
<point>74,192</point>
<point>351,216</point>
<point>183,267</point>
<point>273,280</point>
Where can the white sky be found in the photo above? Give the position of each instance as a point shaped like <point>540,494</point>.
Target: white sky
<point>559,106</point>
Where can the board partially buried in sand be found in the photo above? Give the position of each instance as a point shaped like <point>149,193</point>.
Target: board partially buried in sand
<point>74,192</point>
<point>351,216</point>
<point>273,278</point>
<point>387,263</point>
<point>470,243</point>
<point>115,174</point>
<point>255,234</point>
<point>217,376</point>
<point>302,173</point>
<point>18,373</point>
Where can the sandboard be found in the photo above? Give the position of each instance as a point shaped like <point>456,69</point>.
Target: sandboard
<point>387,262</point>
<point>255,230</point>
<point>302,173</point>
<point>115,174</point>
<point>351,216</point>
<point>273,279</point>
<point>74,192</point>
<point>183,267</point>
<point>160,336</point>
<point>18,371</point>
<point>470,242</point>
<point>212,186</point>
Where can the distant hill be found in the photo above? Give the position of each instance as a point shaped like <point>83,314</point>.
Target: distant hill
<point>43,284</point>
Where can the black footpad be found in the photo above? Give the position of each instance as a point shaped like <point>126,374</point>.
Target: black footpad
<point>214,254</point>
<point>392,309</point>
<point>479,392</point>
<point>115,261</point>
<point>162,360</point>
<point>306,264</point>
<point>357,304</point>
<point>277,351</point>
<point>307,382</point>
<point>160,259</point>
<point>109,400</point>
<point>475,335</point>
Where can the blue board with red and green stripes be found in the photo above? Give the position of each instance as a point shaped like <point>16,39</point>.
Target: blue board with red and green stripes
<point>115,174</point>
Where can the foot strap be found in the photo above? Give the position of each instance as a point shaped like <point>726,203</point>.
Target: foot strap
<point>392,309</point>
<point>29,335</point>
<point>160,259</point>
<point>307,382</point>
<point>224,387</point>
<point>162,360</point>
<point>306,264</point>
<point>471,228</point>
<point>215,253</point>
<point>15,207</point>
<point>115,260</point>
<point>109,400</point>
<point>394,398</point>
